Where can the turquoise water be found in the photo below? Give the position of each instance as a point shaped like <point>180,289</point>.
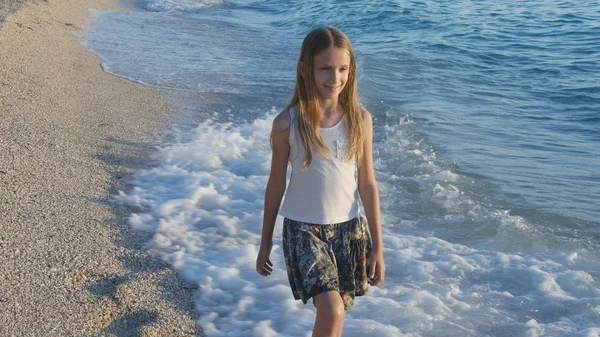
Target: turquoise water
<point>487,121</point>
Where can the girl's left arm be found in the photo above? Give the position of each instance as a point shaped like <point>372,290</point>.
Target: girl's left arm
<point>369,196</point>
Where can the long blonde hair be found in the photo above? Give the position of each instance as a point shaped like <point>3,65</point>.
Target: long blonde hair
<point>306,98</point>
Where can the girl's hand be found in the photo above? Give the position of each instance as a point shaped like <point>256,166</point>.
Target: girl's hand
<point>264,266</point>
<point>376,267</point>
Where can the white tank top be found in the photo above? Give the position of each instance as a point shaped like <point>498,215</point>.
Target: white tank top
<point>327,191</point>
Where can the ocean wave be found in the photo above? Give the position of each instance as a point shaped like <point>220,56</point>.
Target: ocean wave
<point>178,5</point>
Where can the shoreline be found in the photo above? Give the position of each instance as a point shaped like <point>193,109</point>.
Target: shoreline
<point>71,135</point>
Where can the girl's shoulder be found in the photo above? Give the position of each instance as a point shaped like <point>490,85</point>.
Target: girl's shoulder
<point>283,120</point>
<point>365,114</point>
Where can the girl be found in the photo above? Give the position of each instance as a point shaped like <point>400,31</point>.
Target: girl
<point>330,254</point>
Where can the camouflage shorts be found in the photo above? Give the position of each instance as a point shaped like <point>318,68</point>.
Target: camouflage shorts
<point>320,258</point>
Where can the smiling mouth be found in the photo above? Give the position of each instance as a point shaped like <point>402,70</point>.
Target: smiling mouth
<point>332,88</point>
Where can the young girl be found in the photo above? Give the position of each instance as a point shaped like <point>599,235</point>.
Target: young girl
<point>330,254</point>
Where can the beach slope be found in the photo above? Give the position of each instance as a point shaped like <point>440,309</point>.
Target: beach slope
<point>71,135</point>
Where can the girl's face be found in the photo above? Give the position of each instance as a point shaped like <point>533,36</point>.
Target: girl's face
<point>331,69</point>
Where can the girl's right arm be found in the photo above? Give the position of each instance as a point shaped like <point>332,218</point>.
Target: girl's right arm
<point>275,188</point>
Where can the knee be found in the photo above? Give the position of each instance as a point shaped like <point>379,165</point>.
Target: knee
<point>337,313</point>
<point>330,304</point>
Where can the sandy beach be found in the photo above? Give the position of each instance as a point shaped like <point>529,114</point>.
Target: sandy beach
<point>7,7</point>
<point>71,135</point>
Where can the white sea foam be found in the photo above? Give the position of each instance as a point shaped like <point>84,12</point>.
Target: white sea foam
<point>204,206</point>
<point>178,5</point>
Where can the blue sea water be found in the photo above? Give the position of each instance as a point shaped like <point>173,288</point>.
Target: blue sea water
<point>487,154</point>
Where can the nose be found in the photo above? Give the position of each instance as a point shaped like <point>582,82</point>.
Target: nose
<point>336,76</point>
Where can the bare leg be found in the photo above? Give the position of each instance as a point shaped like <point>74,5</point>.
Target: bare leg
<point>341,327</point>
<point>330,314</point>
